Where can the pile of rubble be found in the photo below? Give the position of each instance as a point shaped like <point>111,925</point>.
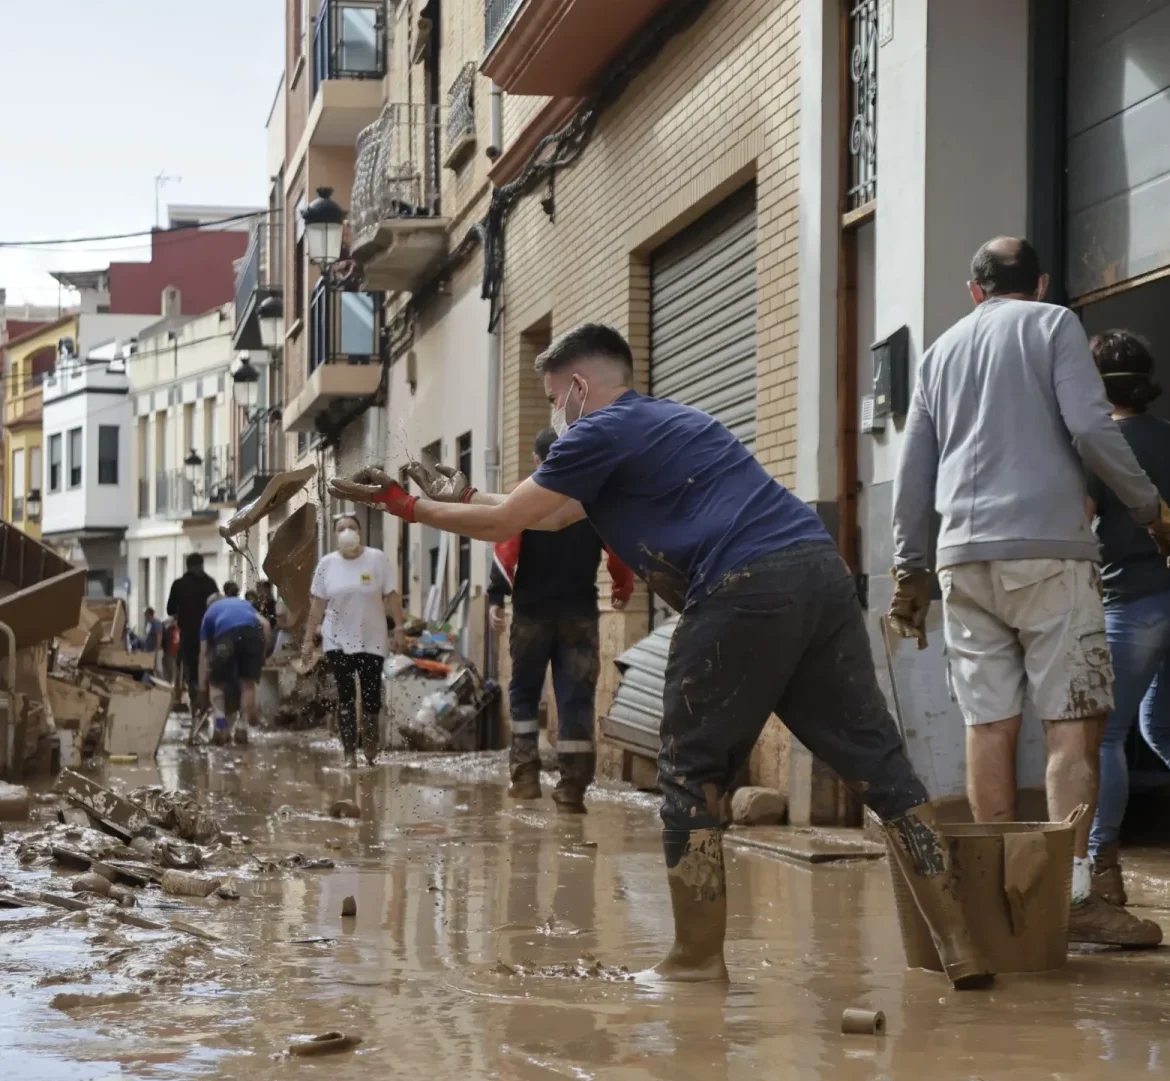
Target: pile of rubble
<point>119,846</point>
<point>105,699</point>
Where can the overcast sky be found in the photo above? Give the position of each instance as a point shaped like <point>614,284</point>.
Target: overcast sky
<point>99,96</point>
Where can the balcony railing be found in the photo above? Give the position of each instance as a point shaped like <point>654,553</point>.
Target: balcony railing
<point>349,41</point>
<point>344,327</point>
<point>397,170</point>
<point>162,493</point>
<point>259,458</point>
<point>248,279</point>
<point>179,495</point>
<point>253,450</point>
<point>258,277</point>
<point>143,497</point>
<point>460,117</point>
<point>497,15</point>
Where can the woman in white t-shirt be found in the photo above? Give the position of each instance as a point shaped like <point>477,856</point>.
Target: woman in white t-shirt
<point>353,592</point>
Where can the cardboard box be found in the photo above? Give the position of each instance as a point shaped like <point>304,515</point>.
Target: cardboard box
<point>111,614</point>
<point>73,706</point>
<point>40,593</point>
<point>136,717</point>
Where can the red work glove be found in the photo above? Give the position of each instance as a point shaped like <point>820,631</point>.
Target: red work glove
<point>397,501</point>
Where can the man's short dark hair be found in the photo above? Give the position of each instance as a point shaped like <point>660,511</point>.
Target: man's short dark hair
<point>588,341</point>
<point>543,442</point>
<point>194,562</point>
<point>149,613</point>
<point>1006,265</point>
<point>231,589</point>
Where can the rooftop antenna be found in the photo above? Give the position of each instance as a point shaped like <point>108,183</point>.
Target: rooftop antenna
<point>160,182</point>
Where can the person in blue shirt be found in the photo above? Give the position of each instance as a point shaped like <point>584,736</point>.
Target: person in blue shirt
<point>231,656</point>
<point>770,622</point>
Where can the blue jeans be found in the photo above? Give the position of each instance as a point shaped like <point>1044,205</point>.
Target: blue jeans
<point>1139,643</point>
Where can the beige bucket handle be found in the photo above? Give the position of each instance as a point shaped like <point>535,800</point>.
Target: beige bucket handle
<point>1074,819</point>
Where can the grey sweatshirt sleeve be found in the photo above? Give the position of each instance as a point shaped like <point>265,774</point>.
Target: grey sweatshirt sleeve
<point>914,486</point>
<point>1080,395</point>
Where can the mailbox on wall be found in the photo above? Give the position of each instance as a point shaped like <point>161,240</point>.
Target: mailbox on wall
<point>891,374</point>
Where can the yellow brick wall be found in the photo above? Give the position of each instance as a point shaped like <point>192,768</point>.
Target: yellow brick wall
<point>717,109</point>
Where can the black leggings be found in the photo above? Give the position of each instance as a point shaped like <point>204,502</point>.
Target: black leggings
<point>368,669</point>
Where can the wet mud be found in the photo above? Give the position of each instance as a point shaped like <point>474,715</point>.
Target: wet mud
<point>500,941</point>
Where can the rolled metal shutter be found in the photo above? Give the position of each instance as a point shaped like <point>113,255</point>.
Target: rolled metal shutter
<point>703,316</point>
<point>1118,142</point>
<point>635,716</point>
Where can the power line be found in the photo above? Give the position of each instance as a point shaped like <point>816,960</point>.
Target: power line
<point>141,232</point>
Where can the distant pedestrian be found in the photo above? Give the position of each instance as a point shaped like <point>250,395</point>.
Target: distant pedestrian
<point>231,589</point>
<point>1137,599</point>
<point>1007,417</point>
<point>187,603</point>
<point>353,591</point>
<point>152,632</point>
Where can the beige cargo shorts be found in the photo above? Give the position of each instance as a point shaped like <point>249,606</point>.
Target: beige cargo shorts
<point>1017,625</point>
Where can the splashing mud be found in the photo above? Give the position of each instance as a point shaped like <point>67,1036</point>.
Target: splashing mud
<point>496,942</point>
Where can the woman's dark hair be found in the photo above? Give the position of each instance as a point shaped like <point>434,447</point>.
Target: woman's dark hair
<point>1127,368</point>
<point>339,518</point>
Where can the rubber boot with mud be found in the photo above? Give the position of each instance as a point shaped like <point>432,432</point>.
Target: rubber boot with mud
<point>576,771</point>
<point>698,898</point>
<point>1094,920</point>
<point>240,734</point>
<point>221,734</point>
<point>918,845</point>
<point>1107,880</point>
<point>524,763</point>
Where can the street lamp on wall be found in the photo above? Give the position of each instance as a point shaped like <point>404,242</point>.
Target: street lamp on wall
<point>245,384</point>
<point>271,316</point>
<point>324,226</point>
<point>33,505</point>
<point>192,464</point>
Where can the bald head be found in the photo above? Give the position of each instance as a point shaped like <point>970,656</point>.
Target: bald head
<point>1007,266</point>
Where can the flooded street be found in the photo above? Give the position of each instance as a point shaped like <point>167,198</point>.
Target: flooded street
<point>490,940</point>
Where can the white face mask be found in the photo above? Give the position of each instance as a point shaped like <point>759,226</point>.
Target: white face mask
<point>349,540</point>
<point>559,422</point>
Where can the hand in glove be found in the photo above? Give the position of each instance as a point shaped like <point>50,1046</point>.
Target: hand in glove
<point>1160,529</point>
<point>364,486</point>
<point>909,605</point>
<point>440,482</point>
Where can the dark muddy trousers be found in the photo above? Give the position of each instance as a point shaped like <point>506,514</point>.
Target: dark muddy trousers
<point>785,636</point>
<point>189,655</point>
<point>368,669</point>
<point>570,645</point>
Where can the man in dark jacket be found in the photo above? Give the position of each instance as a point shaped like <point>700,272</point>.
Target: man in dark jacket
<point>552,578</point>
<point>187,604</point>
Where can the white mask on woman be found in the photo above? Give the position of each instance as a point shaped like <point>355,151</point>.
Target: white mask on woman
<point>348,540</point>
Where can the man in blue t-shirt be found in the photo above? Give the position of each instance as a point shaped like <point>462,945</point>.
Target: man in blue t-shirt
<point>770,622</point>
<point>231,656</point>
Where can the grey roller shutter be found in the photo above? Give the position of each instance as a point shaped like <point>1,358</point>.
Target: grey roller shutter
<point>703,316</point>
<point>1118,198</point>
<point>635,716</point>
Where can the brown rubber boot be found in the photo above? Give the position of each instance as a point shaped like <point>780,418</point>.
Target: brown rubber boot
<point>1107,880</point>
<point>698,898</point>
<point>577,771</point>
<point>524,761</point>
<point>916,842</point>
<point>1096,921</point>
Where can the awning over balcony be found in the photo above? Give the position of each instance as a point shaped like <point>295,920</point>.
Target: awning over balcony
<point>559,49</point>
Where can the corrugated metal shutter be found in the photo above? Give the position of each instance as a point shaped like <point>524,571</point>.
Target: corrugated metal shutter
<point>703,316</point>
<point>635,716</point>
<point>1118,143</point>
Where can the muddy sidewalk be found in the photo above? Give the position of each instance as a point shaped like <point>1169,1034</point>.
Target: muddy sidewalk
<point>495,941</point>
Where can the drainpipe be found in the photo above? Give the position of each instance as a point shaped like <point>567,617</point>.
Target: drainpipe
<point>495,374</point>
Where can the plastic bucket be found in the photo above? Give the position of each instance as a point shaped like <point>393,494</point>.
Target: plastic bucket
<point>1013,880</point>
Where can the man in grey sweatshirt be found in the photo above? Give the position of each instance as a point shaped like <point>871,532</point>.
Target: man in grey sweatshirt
<point>1008,413</point>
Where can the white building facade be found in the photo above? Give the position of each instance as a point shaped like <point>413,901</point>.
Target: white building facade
<point>182,447</point>
<point>85,487</point>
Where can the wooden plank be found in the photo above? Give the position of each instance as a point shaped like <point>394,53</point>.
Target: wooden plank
<point>806,845</point>
<point>117,815</point>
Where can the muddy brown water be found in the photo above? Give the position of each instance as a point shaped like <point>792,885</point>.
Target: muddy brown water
<point>489,942</point>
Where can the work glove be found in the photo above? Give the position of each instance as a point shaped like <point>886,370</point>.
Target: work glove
<point>440,482</point>
<point>375,488</point>
<point>909,605</point>
<point>1160,529</point>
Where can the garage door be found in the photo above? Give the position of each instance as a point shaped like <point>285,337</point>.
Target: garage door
<point>703,316</point>
<point>1118,147</point>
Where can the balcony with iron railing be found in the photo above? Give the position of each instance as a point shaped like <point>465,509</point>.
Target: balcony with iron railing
<point>558,50</point>
<point>344,352</point>
<point>192,491</point>
<point>259,457</point>
<point>398,232</point>
<point>256,280</point>
<point>349,63</point>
